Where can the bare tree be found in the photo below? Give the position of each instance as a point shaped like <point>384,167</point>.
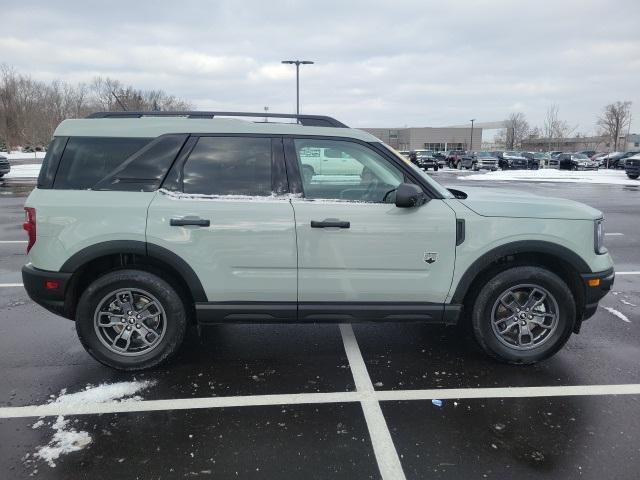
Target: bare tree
<point>614,119</point>
<point>30,110</point>
<point>555,129</point>
<point>516,129</point>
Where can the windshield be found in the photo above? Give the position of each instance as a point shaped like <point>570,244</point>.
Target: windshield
<point>483,154</point>
<point>436,186</point>
<point>513,154</point>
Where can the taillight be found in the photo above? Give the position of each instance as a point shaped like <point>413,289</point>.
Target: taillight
<point>29,225</point>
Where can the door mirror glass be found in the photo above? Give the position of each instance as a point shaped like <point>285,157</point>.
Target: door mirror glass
<point>409,195</point>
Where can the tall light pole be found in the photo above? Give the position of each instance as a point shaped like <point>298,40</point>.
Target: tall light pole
<point>297,63</point>
<point>471,143</point>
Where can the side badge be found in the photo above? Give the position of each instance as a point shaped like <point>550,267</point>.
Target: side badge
<point>430,257</point>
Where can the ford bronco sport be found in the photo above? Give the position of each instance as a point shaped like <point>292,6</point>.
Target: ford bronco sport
<point>143,223</point>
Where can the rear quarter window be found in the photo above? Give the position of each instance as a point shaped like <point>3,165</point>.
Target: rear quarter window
<point>87,160</point>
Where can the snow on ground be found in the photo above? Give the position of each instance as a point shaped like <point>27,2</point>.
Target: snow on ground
<point>616,313</point>
<point>23,155</point>
<point>613,177</point>
<point>24,171</point>
<point>66,439</point>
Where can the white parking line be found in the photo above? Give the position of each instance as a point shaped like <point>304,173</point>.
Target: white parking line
<point>383,448</point>
<point>614,234</point>
<point>55,409</point>
<point>11,285</point>
<point>628,273</point>
<point>13,241</point>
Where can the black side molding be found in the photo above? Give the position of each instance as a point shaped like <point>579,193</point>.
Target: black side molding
<point>326,312</point>
<point>460,232</point>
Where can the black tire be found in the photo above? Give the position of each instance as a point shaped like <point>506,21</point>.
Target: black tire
<point>633,176</point>
<point>481,316</point>
<point>436,167</point>
<point>164,293</point>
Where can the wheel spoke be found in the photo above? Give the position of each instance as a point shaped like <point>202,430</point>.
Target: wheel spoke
<point>512,305</point>
<point>108,319</point>
<point>509,321</point>
<point>144,313</point>
<point>525,337</point>
<point>124,335</point>
<point>126,301</point>
<point>147,335</point>
<point>536,297</point>
<point>539,320</point>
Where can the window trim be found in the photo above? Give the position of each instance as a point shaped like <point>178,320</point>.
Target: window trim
<point>293,169</point>
<point>174,180</point>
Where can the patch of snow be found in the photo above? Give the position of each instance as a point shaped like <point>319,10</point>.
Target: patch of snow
<point>23,155</point>
<point>616,313</point>
<point>628,303</point>
<point>105,393</point>
<point>38,424</point>
<point>65,440</point>
<point>611,177</point>
<point>244,198</point>
<point>24,171</point>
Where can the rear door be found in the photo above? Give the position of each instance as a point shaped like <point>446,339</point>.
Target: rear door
<point>224,210</point>
<point>357,251</point>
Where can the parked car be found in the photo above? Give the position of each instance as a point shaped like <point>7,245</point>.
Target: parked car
<point>576,161</point>
<point>468,161</point>
<point>453,158</point>
<point>427,160</point>
<point>588,153</point>
<point>163,223</point>
<point>5,166</point>
<point>441,158</point>
<point>598,157</point>
<point>533,163</point>
<point>513,161</point>
<point>542,158</point>
<point>486,161</point>
<point>611,160</point>
<point>632,166</point>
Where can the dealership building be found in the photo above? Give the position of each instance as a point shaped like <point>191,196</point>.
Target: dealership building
<point>429,138</point>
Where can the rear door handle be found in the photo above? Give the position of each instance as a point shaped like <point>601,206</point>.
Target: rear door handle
<point>181,222</point>
<point>330,222</point>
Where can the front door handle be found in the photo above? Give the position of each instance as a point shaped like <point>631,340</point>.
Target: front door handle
<point>330,222</point>
<point>181,222</point>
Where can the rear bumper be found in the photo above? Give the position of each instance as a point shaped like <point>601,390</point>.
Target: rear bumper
<point>594,294</point>
<point>53,299</point>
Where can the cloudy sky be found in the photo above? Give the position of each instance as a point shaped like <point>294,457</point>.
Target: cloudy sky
<point>415,63</point>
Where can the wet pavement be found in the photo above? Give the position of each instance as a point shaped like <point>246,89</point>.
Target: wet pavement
<point>518,433</point>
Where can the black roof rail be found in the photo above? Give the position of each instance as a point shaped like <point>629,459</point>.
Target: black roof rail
<point>306,120</point>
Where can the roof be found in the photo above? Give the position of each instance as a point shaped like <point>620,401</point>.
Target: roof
<point>149,127</point>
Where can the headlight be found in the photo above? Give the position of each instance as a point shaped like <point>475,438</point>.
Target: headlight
<point>598,236</point>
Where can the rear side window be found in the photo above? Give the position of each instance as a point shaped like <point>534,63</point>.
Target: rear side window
<point>229,166</point>
<point>86,160</point>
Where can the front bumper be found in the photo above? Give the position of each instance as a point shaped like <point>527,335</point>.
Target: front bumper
<point>632,169</point>
<point>53,299</point>
<point>602,283</point>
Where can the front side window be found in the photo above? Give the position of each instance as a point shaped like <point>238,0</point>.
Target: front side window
<point>343,170</point>
<point>229,166</point>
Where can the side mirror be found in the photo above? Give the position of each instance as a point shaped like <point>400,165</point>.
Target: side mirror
<point>409,195</point>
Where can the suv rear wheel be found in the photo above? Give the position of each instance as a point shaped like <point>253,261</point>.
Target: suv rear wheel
<point>131,320</point>
<point>523,315</point>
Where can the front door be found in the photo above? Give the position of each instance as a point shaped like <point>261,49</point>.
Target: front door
<point>356,249</point>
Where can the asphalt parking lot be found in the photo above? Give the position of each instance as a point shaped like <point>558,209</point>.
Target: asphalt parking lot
<point>328,401</point>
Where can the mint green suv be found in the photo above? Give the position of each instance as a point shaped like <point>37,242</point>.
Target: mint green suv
<point>144,223</point>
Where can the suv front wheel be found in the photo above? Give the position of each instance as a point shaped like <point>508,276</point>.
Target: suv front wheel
<point>131,320</point>
<point>523,315</point>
